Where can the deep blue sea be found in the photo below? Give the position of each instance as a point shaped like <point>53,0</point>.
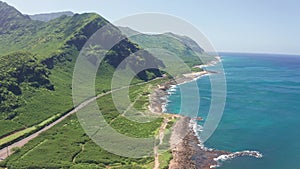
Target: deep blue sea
<point>262,110</point>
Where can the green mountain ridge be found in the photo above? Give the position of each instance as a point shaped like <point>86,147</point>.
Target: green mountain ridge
<point>55,46</point>
<point>37,64</point>
<point>45,17</point>
<point>10,18</point>
<point>190,43</point>
<point>179,46</point>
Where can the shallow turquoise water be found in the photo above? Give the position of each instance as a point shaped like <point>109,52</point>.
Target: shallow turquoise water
<point>262,110</point>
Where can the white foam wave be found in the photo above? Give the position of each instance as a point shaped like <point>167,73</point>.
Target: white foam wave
<point>163,98</point>
<point>196,78</point>
<point>164,108</point>
<point>214,166</point>
<point>172,89</point>
<point>198,128</point>
<point>212,63</point>
<point>170,93</point>
<point>225,157</point>
<point>173,86</point>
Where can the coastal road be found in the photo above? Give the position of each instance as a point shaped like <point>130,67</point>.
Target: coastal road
<point>5,152</point>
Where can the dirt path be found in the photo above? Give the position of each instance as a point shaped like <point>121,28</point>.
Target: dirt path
<point>160,136</point>
<point>131,105</point>
<point>75,156</point>
<point>5,152</point>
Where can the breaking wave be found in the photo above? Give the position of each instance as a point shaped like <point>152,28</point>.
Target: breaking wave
<point>198,128</point>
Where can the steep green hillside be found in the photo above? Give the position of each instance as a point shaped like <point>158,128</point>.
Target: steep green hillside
<point>37,62</point>
<point>176,45</point>
<point>18,71</point>
<point>44,85</point>
<point>11,19</point>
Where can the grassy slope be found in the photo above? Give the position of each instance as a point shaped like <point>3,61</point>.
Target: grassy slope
<point>66,145</point>
<point>175,45</point>
<point>171,44</point>
<point>46,40</point>
<point>56,44</point>
<point>59,41</point>
<point>62,145</point>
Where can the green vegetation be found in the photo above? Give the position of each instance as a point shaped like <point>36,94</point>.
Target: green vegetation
<point>16,135</point>
<point>6,140</point>
<point>37,84</point>
<point>66,144</point>
<point>8,126</point>
<point>197,69</point>
<point>175,46</point>
<point>164,159</point>
<point>37,61</point>
<point>17,71</point>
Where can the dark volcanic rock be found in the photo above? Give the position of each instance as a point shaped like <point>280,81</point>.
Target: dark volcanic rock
<point>189,155</point>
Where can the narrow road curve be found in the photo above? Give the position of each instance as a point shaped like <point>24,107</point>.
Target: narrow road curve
<point>5,152</point>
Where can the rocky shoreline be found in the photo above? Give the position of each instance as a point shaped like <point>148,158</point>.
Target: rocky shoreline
<point>184,143</point>
<point>158,97</point>
<point>187,152</point>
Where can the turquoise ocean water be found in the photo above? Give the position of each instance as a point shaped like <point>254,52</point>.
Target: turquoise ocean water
<point>262,110</point>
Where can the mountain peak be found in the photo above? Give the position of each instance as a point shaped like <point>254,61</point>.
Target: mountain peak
<point>9,13</point>
<point>10,17</point>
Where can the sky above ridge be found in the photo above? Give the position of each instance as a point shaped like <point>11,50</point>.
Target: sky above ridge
<point>264,26</point>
